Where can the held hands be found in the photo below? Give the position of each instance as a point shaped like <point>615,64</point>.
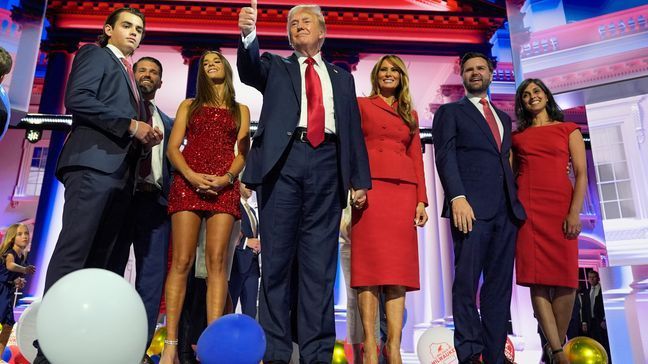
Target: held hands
<point>254,244</point>
<point>19,283</point>
<point>421,216</point>
<point>146,134</point>
<point>359,198</point>
<point>572,226</point>
<point>462,215</point>
<point>30,269</point>
<point>247,18</point>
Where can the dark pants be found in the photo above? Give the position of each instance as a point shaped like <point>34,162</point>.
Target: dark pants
<point>244,281</point>
<point>193,318</point>
<point>93,214</point>
<point>299,221</point>
<point>147,228</point>
<point>489,249</point>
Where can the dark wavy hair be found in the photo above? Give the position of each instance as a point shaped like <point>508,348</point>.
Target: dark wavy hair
<point>470,55</point>
<point>150,59</point>
<point>111,20</point>
<point>524,117</point>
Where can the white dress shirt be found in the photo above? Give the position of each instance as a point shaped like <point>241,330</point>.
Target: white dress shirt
<point>157,153</point>
<point>327,87</point>
<point>475,100</point>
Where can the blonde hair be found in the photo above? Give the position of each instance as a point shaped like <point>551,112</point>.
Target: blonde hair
<point>313,9</point>
<point>10,239</point>
<point>402,92</point>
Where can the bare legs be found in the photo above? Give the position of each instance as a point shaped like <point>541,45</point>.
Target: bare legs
<point>553,309</point>
<point>394,308</point>
<point>4,336</point>
<point>185,229</point>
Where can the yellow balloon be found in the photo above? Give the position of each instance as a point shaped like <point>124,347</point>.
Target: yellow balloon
<point>339,356</point>
<point>157,343</point>
<point>584,350</point>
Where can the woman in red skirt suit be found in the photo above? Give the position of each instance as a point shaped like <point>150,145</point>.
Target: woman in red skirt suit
<point>547,244</point>
<point>384,244</point>
<point>204,186</point>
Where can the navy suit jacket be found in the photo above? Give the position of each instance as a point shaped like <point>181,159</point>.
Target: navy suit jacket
<point>469,162</point>
<point>279,80</point>
<point>245,256</point>
<point>167,167</point>
<point>102,104</point>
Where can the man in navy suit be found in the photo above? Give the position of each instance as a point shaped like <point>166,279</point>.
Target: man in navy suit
<point>244,279</point>
<point>98,161</point>
<point>307,153</point>
<point>472,142</point>
<point>147,224</point>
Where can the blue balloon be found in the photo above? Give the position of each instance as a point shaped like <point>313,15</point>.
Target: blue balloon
<point>6,354</point>
<point>232,339</point>
<point>156,359</point>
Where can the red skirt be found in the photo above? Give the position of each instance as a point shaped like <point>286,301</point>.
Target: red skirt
<point>384,243</point>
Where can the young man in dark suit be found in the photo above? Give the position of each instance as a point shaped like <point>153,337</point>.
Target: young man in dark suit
<point>593,312</point>
<point>108,136</point>
<point>244,278</point>
<point>307,153</point>
<point>147,224</point>
<point>472,147</point>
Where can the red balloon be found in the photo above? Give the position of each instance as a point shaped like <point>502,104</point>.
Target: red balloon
<point>16,356</point>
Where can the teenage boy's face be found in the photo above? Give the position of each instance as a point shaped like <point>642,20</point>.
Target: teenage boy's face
<point>126,35</point>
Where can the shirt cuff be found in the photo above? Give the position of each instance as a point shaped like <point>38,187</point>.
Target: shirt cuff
<point>458,197</point>
<point>247,40</point>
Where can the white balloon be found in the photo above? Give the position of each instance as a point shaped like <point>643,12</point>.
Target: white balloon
<point>26,330</point>
<point>92,316</point>
<point>436,346</point>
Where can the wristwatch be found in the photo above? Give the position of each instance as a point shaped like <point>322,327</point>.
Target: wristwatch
<point>231,177</point>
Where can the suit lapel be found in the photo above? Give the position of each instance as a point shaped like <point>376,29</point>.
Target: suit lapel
<point>122,68</point>
<point>476,116</point>
<point>376,100</point>
<point>334,76</point>
<point>292,66</point>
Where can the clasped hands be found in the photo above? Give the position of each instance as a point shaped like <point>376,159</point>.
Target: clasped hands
<point>358,198</point>
<point>208,184</point>
<point>148,135</point>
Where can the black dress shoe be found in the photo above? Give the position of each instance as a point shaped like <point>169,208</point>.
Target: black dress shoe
<point>475,359</point>
<point>147,360</point>
<point>189,361</point>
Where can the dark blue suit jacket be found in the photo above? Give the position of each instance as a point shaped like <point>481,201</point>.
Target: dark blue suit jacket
<point>101,112</point>
<point>243,255</point>
<point>279,80</point>
<point>167,167</point>
<point>469,162</point>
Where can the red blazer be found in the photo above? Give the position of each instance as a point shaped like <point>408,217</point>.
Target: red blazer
<point>394,153</point>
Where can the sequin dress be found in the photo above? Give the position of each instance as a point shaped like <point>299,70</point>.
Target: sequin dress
<point>211,135</point>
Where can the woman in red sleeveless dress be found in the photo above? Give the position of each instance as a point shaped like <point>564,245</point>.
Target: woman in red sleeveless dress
<point>547,244</point>
<point>204,186</point>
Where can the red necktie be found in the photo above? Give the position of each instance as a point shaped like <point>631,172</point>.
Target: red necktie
<point>315,129</point>
<point>492,123</point>
<point>145,164</point>
<point>131,76</point>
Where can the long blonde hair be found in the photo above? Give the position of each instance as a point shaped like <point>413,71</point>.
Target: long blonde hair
<point>206,95</point>
<point>9,239</point>
<point>402,92</point>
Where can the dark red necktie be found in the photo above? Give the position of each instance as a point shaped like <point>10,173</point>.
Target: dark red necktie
<point>131,77</point>
<point>492,123</point>
<point>145,164</point>
<point>315,102</point>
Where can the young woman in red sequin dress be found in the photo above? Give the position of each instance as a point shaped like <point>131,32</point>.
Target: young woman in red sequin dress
<point>204,186</point>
